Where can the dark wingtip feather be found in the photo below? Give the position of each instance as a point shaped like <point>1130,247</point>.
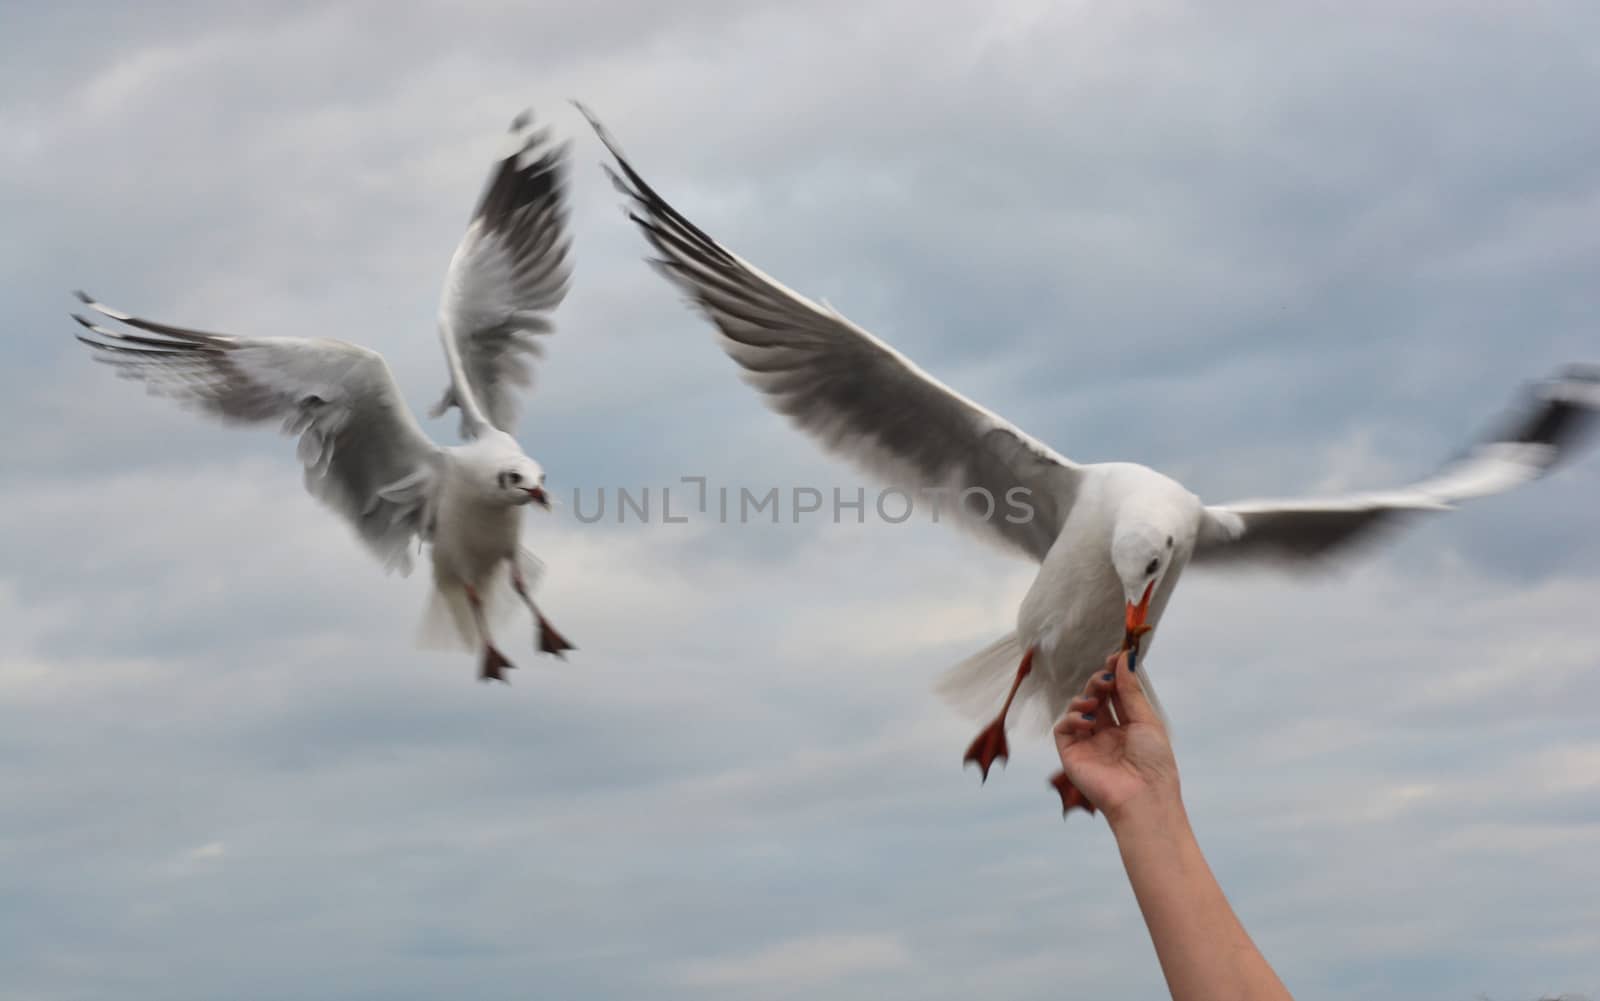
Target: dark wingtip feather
<point>661,215</point>
<point>118,349</point>
<point>1564,408</point>
<point>636,187</point>
<point>193,337</point>
<point>594,123</point>
<point>617,181</point>
<point>532,171</point>
<point>1558,412</point>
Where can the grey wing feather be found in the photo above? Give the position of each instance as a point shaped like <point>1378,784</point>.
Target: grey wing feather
<point>510,270</point>
<point>1555,422</point>
<point>363,453</point>
<point>849,390</point>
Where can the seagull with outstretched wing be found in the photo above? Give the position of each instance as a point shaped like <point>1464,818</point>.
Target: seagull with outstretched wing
<point>1111,539</point>
<point>365,456</point>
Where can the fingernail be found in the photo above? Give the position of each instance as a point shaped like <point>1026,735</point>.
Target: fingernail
<point>1108,676</point>
<point>1089,717</point>
<point>1133,660</point>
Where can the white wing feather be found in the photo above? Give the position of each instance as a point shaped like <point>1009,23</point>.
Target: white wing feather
<point>852,392</point>
<point>509,271</point>
<point>363,453</point>
<point>1554,425</point>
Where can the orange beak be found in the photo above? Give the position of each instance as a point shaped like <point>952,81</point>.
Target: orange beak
<point>1134,615</point>
<point>539,497</point>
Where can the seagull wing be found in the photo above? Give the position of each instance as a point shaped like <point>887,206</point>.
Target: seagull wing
<point>363,453</point>
<point>1550,429</point>
<point>853,393</point>
<point>509,271</point>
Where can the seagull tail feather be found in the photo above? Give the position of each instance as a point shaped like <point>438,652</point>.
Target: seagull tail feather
<point>977,686</point>
<point>447,622</point>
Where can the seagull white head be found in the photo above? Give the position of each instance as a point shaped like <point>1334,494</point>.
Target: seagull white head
<point>1143,547</point>
<point>521,481</point>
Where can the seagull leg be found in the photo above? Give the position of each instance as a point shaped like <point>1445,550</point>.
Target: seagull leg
<point>494,662</point>
<point>990,745</point>
<point>550,641</point>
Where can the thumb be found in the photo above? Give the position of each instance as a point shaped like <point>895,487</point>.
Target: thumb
<point>1133,705</point>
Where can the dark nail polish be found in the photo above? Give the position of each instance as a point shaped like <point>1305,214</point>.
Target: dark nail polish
<point>1133,660</point>
<point>1089,717</point>
<point>1108,676</point>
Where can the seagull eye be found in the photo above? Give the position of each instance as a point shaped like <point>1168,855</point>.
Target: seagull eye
<point>1152,567</point>
<point>513,478</point>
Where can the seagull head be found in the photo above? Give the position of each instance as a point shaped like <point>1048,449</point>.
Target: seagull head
<point>1142,550</point>
<point>522,482</point>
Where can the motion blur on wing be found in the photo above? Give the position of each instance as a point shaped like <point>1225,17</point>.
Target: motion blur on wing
<point>1111,539</point>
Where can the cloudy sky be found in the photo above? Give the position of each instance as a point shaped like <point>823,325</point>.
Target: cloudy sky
<point>1269,248</point>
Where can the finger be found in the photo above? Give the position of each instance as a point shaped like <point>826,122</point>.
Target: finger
<point>1063,732</point>
<point>1132,706</point>
<point>1078,724</point>
<point>1100,680</point>
<point>1096,707</point>
<point>1084,704</point>
<point>1069,730</point>
<point>1103,686</point>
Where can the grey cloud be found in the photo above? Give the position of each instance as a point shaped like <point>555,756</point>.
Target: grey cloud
<point>1269,250</point>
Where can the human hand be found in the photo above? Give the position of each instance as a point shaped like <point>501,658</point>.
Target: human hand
<point>1117,764</point>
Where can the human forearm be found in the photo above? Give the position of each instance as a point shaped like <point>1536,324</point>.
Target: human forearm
<point>1205,952</point>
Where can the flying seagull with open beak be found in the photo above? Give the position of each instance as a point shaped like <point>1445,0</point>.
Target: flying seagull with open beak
<point>364,454</point>
<point>1111,539</point>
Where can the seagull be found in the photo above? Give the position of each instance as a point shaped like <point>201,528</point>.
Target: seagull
<point>364,454</point>
<point>1110,539</point>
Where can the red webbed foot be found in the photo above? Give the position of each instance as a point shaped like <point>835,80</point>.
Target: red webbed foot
<point>551,641</point>
<point>494,665</point>
<point>1071,797</point>
<point>988,747</point>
